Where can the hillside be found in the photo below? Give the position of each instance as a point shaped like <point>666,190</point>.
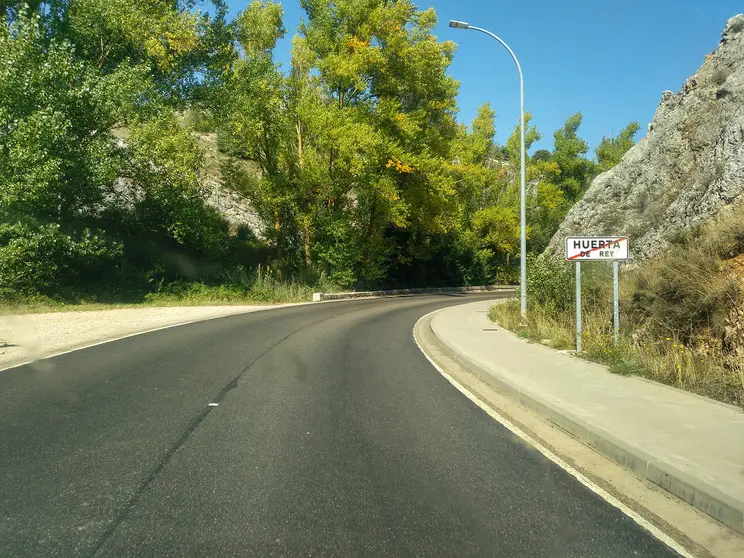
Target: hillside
<point>687,169</point>
<point>233,207</point>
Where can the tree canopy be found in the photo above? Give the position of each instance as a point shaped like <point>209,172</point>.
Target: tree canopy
<point>351,156</point>
<point>611,150</point>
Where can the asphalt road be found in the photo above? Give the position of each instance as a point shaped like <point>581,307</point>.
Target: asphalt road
<point>333,436</point>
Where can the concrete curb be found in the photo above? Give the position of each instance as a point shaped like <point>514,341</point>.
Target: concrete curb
<point>692,490</point>
<point>320,297</point>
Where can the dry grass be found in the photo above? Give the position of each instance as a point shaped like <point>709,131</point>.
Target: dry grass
<point>666,360</point>
<point>540,325</point>
<point>677,315</point>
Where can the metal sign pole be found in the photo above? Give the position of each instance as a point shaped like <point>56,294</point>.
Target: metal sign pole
<point>578,306</point>
<point>615,302</point>
<point>602,248</point>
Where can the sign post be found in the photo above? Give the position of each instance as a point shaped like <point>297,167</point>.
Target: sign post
<point>602,248</point>
<point>578,306</point>
<point>615,302</point>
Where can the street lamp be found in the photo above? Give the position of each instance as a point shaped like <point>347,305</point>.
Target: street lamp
<point>522,194</point>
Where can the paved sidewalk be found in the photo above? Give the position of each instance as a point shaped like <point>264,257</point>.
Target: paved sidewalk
<point>689,445</point>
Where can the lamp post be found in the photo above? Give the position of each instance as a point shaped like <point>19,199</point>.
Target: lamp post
<point>522,189</point>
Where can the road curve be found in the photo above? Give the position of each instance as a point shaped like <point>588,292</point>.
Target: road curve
<point>332,436</point>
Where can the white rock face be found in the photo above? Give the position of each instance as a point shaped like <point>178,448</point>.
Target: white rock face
<point>233,207</point>
<point>687,169</point>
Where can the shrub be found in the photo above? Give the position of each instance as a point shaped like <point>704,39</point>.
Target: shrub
<point>550,284</point>
<point>724,237</point>
<point>199,120</point>
<point>688,291</point>
<point>41,259</point>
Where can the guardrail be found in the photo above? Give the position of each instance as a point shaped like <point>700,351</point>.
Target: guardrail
<point>320,297</point>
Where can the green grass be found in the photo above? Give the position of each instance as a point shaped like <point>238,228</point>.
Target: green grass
<point>237,289</point>
<point>263,291</point>
<point>207,297</point>
<point>538,327</point>
<point>44,307</point>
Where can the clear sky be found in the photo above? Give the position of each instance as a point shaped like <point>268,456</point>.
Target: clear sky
<point>609,60</point>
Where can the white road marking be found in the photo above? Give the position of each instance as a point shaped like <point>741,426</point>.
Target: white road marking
<point>159,328</point>
<point>609,498</point>
<point>152,330</point>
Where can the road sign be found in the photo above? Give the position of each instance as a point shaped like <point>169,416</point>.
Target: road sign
<point>584,248</point>
<point>587,248</point>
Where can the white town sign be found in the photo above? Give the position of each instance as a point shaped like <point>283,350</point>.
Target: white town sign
<point>583,248</point>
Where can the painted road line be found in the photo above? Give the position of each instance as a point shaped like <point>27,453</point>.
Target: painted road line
<point>506,423</point>
<point>151,330</point>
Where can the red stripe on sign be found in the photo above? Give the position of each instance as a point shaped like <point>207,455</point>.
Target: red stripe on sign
<point>579,255</point>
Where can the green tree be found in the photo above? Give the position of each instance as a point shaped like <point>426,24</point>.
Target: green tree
<point>546,204</point>
<point>352,157</point>
<point>255,122</point>
<point>108,33</point>
<point>473,164</point>
<point>75,186</point>
<point>164,168</point>
<point>57,160</point>
<point>570,151</point>
<point>386,131</point>
<point>495,224</point>
<point>483,133</point>
<point>308,172</point>
<point>611,150</point>
<point>493,228</point>
<point>541,155</point>
<point>513,144</point>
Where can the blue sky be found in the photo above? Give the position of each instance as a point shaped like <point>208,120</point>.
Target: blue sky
<point>609,60</point>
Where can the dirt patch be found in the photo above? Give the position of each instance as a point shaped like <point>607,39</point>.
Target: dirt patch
<point>736,265</point>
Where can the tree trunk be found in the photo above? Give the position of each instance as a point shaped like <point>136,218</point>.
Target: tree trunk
<point>308,258</point>
<point>367,239</point>
<point>299,144</point>
<point>279,243</point>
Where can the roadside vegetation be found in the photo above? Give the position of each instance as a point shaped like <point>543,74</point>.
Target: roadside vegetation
<point>682,315</point>
<point>260,286</point>
<point>351,155</point>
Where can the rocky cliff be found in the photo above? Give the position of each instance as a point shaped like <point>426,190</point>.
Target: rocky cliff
<point>233,207</point>
<point>688,168</point>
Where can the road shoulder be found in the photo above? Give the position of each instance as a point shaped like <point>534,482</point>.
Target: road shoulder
<point>27,338</point>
